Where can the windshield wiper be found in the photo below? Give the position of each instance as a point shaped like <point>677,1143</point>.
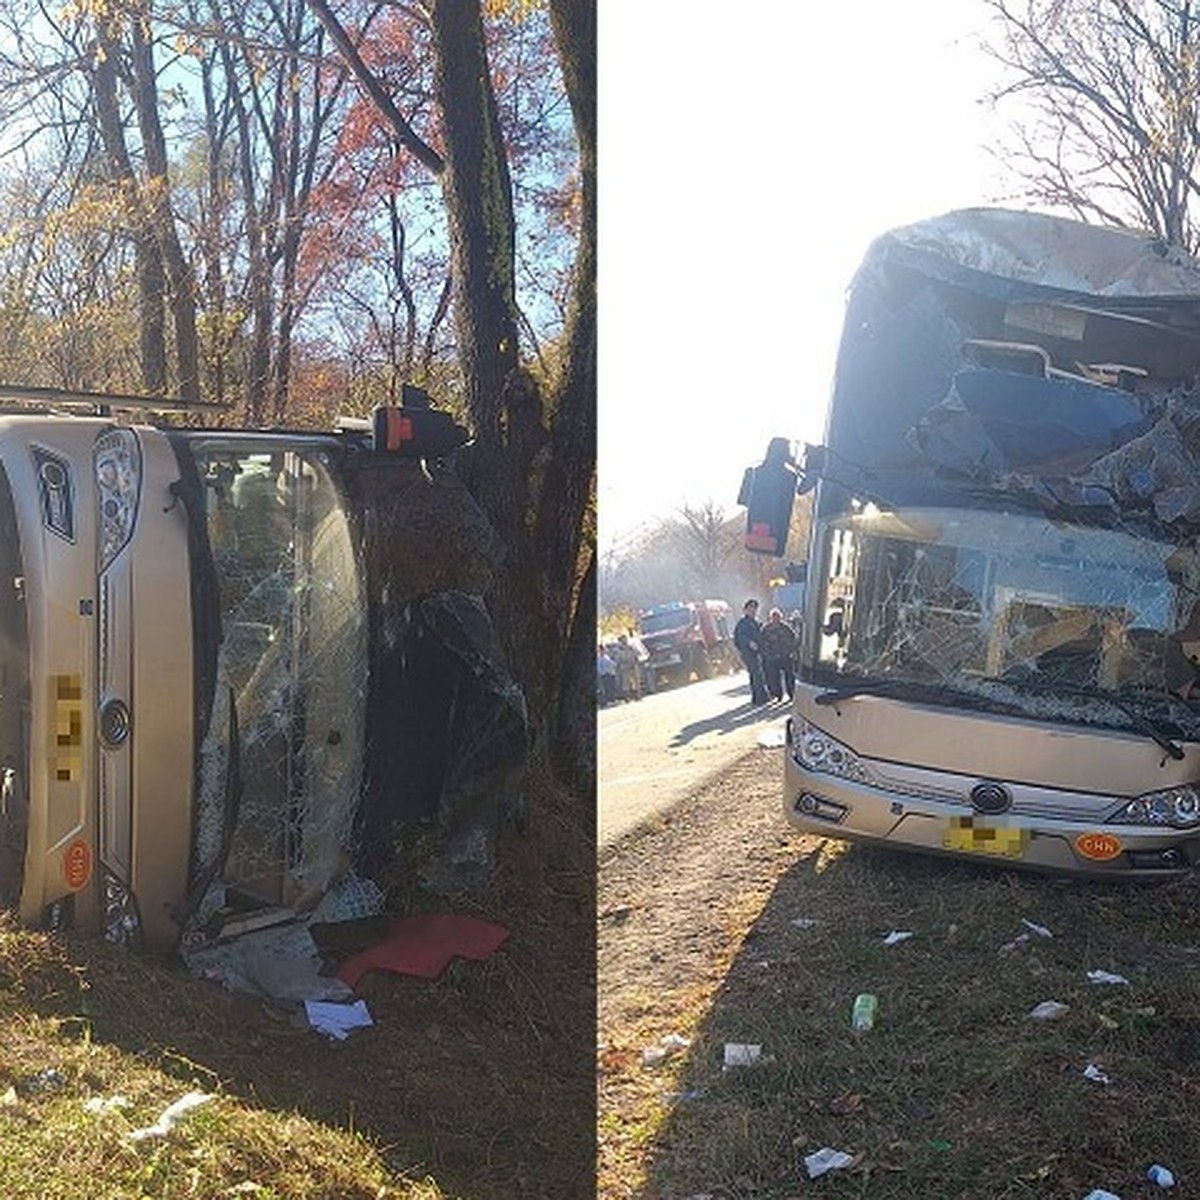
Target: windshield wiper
<point>882,687</point>
<point>1144,725</point>
<point>1137,720</point>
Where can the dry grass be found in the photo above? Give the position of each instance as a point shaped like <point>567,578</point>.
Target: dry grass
<point>473,1085</point>
<point>956,1092</point>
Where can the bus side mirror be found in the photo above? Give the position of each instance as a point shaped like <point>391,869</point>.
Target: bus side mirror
<point>767,493</point>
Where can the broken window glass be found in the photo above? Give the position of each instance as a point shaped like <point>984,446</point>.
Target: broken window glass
<point>282,760</point>
<point>1014,610</point>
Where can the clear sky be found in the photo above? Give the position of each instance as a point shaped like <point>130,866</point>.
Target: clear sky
<point>748,154</point>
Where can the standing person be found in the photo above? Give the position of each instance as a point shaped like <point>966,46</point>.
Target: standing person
<point>645,686</point>
<point>606,675</point>
<point>779,651</point>
<point>628,669</point>
<point>747,637</point>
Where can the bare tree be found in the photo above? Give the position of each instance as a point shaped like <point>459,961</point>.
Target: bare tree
<point>534,457</point>
<point>1107,126</point>
<point>707,540</point>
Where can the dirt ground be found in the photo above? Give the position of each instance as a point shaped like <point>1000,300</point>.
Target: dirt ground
<point>675,905</point>
<point>672,901</point>
<point>481,1079</point>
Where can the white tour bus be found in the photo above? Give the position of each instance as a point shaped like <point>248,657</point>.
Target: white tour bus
<point>183,671</point>
<point>1002,623</point>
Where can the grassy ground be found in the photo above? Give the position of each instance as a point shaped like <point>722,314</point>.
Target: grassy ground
<point>956,1091</point>
<point>474,1085</point>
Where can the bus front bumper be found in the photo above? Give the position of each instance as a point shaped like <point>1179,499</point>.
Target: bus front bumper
<point>819,803</point>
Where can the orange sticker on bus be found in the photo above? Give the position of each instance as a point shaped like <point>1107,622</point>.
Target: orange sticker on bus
<point>1098,846</point>
<point>77,864</point>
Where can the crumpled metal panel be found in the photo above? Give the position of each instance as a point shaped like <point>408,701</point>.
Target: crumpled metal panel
<point>1104,426</point>
<point>1045,252</point>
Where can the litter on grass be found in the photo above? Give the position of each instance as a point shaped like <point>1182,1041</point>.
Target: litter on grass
<point>103,1104</point>
<point>742,1054</point>
<point>171,1116</point>
<point>1095,1074</point>
<point>805,922</point>
<point>1101,1194</point>
<point>1040,930</point>
<point>1161,1175</point>
<point>826,1159</point>
<point>668,1046</point>
<point>49,1080</point>
<point>336,1021</point>
<point>896,936</point>
<point>1105,977</point>
<point>1049,1010</point>
<point>1015,944</point>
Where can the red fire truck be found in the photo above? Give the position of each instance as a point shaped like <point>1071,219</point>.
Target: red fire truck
<point>686,638</point>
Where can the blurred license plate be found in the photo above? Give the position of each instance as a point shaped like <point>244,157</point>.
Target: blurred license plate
<point>972,835</point>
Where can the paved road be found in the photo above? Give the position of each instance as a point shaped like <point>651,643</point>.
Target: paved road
<point>657,750</point>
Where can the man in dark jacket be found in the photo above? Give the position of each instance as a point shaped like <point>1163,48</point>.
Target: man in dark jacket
<point>747,637</point>
<point>779,655</point>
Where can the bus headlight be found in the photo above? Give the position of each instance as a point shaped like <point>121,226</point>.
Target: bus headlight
<point>819,752</point>
<point>118,464</point>
<point>1178,807</point>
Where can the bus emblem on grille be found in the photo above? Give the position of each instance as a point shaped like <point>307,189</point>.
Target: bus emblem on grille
<point>991,798</point>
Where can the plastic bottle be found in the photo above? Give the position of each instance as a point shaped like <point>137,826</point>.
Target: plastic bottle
<point>862,1017</point>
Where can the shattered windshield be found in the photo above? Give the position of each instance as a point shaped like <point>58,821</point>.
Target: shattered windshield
<point>1012,611</point>
<point>282,759</point>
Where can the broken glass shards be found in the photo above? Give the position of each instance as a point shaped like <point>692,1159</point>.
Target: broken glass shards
<point>1014,610</point>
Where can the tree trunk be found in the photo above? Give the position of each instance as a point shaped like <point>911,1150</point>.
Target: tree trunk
<point>532,465</point>
<point>568,490</point>
<point>478,196</point>
<point>182,293</point>
<point>148,262</point>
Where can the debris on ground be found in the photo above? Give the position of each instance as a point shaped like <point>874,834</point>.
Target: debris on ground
<point>846,1103</point>
<point>1020,940</point>
<point>826,1159</point>
<point>1096,1074</point>
<point>104,1104</point>
<point>1040,930</point>
<point>424,945</point>
<point>49,1080</point>
<point>1161,1176</point>
<point>862,1015</point>
<point>668,1046</point>
<point>1105,977</point>
<point>742,1054</point>
<point>337,1020</point>
<point>171,1116</point>
<point>1049,1010</point>
<point>896,936</point>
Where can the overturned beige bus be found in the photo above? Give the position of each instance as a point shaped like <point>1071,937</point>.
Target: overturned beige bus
<point>1000,645</point>
<point>183,671</point>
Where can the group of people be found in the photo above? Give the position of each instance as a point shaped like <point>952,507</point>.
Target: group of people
<point>769,652</point>
<point>619,669</point>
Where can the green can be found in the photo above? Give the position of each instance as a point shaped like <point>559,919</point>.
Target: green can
<point>862,1017</point>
